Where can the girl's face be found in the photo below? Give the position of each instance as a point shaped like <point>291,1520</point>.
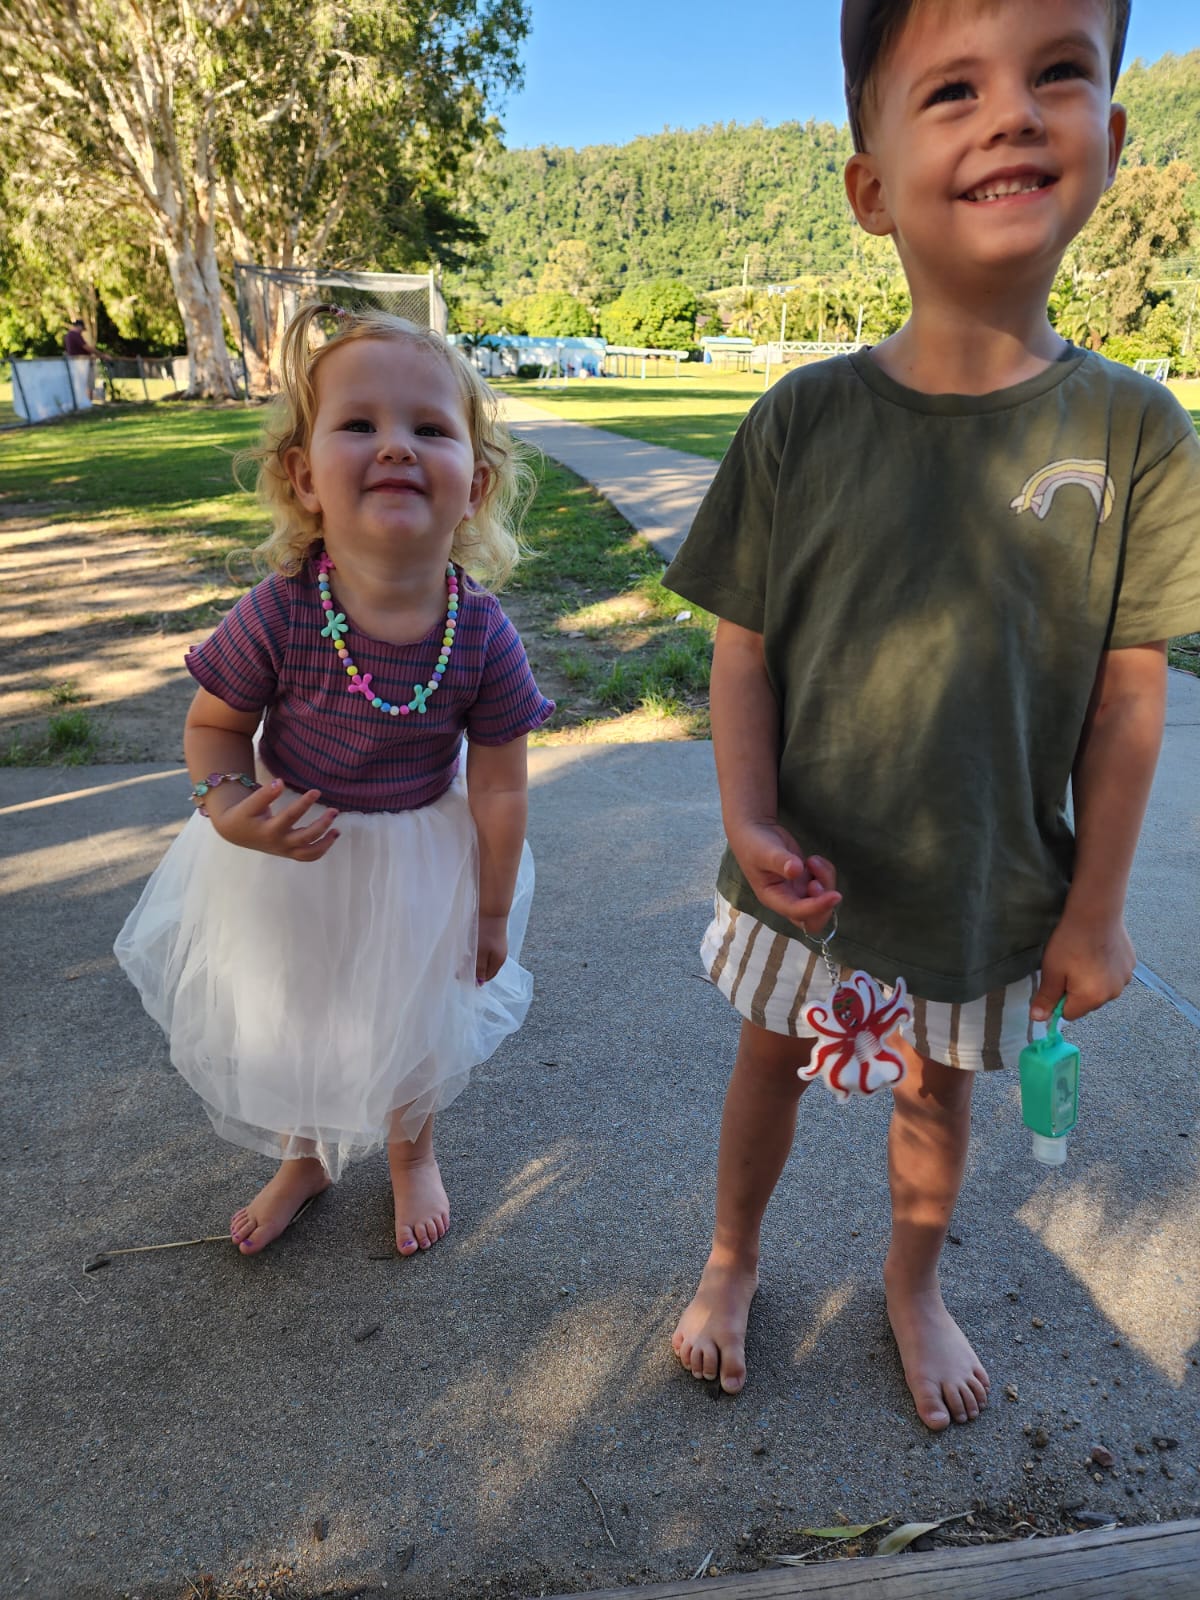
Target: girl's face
<point>390,465</point>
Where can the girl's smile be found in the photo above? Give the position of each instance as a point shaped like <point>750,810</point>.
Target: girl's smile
<point>390,457</point>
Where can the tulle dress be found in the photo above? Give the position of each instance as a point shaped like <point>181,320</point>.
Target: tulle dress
<point>326,1007</point>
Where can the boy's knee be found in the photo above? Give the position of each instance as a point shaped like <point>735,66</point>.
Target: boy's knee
<point>777,1055</point>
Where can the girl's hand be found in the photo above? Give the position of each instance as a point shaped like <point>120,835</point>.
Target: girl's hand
<point>492,951</point>
<point>804,890</point>
<point>1087,959</point>
<point>251,823</point>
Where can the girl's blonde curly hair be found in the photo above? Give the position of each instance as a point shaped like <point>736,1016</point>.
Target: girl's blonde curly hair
<point>488,544</point>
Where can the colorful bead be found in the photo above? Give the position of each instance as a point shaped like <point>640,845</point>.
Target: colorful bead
<point>360,683</point>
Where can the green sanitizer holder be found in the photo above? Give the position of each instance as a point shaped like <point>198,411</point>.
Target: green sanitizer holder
<point>1049,1071</point>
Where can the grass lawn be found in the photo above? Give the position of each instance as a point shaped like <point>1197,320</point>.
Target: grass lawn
<point>598,625</point>
<point>697,412</point>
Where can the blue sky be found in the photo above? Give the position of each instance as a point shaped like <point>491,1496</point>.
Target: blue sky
<point>604,71</point>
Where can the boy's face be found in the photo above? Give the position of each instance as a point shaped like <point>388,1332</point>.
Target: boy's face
<point>991,138</point>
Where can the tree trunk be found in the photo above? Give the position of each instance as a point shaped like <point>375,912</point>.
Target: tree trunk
<point>210,371</point>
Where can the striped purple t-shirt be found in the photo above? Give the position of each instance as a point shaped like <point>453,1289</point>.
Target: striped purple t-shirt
<point>268,653</point>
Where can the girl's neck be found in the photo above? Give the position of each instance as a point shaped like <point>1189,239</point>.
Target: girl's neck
<point>396,602</point>
<point>959,346</point>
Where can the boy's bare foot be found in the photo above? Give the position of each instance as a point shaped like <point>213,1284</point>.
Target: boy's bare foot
<point>944,1374</point>
<point>710,1340</point>
<point>422,1206</point>
<point>276,1203</point>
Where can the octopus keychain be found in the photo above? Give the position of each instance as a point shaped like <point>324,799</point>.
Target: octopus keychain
<point>853,1058</point>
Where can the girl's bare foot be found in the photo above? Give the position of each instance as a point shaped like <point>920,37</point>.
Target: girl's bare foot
<point>276,1203</point>
<point>945,1376</point>
<point>422,1206</point>
<point>710,1340</point>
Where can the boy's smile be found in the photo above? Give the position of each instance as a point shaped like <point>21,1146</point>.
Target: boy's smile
<point>991,138</point>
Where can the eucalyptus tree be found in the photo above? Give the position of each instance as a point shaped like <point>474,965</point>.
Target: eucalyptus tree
<point>272,131</point>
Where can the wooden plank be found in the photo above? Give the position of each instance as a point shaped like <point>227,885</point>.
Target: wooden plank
<point>1157,1562</point>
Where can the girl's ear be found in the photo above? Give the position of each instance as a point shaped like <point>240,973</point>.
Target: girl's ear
<point>481,482</point>
<point>295,464</point>
<point>864,190</point>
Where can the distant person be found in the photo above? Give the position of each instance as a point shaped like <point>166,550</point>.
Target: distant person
<point>76,341</point>
<point>945,570</point>
<point>332,942</point>
<point>75,345</point>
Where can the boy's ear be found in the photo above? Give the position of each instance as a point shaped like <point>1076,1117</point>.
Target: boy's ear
<point>1117,123</point>
<point>295,464</point>
<point>864,190</point>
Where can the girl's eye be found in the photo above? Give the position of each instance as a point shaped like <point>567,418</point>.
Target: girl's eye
<point>949,91</point>
<point>359,425</point>
<point>430,428</point>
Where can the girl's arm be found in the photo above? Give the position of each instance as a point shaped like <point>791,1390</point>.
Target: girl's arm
<point>216,738</point>
<point>1089,956</point>
<point>497,792</point>
<point>745,725</point>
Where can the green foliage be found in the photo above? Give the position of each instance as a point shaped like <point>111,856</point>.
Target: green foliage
<point>1157,339</point>
<point>1163,102</point>
<point>280,133</point>
<point>554,314</point>
<point>660,315</point>
<point>703,205</point>
<point>1143,217</point>
<point>570,269</point>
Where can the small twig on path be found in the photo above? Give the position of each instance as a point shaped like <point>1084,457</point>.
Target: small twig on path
<point>704,1565</point>
<point>600,1509</point>
<point>102,1260</point>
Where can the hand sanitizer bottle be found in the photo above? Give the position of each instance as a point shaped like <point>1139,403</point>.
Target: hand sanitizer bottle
<point>1049,1071</point>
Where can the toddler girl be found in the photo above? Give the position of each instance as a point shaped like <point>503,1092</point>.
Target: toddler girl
<point>331,943</point>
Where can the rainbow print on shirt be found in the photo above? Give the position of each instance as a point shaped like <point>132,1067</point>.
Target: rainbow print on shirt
<point>1039,490</point>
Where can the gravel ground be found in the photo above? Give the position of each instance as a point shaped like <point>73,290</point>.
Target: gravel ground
<point>503,1415</point>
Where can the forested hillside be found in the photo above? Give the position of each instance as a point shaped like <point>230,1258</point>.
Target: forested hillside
<point>715,203</point>
<point>677,204</point>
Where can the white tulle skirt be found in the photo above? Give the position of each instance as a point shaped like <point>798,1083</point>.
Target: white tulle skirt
<point>323,1008</point>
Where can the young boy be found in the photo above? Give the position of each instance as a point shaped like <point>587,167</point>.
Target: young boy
<point>945,571</point>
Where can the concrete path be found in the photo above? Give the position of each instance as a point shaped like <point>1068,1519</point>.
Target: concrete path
<point>442,1424</point>
<point>655,489</point>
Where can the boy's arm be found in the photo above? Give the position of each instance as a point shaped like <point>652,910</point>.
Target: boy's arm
<point>1089,956</point>
<point>498,795</point>
<point>745,724</point>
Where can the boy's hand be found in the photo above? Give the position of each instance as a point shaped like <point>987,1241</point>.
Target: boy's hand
<point>250,823</point>
<point>492,947</point>
<point>1087,959</point>
<point>801,889</point>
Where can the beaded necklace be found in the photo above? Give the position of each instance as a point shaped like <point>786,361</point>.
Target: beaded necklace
<point>360,682</point>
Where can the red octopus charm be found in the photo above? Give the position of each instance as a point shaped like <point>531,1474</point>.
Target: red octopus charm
<point>855,1060</point>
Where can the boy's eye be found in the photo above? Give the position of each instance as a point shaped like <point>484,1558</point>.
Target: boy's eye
<point>945,92</point>
<point>1062,70</point>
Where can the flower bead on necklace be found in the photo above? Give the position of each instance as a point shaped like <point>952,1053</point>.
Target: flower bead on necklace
<point>336,627</point>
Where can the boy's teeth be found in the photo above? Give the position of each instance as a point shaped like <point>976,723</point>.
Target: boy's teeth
<point>1006,186</point>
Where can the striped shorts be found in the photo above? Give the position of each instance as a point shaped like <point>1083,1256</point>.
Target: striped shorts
<point>770,978</point>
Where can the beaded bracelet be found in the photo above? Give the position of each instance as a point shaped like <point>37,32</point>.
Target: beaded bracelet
<point>214,778</point>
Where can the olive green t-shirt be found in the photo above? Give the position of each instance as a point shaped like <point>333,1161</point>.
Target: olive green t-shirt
<point>936,578</point>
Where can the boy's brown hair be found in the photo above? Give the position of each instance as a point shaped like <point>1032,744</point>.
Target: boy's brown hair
<point>871,27</point>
